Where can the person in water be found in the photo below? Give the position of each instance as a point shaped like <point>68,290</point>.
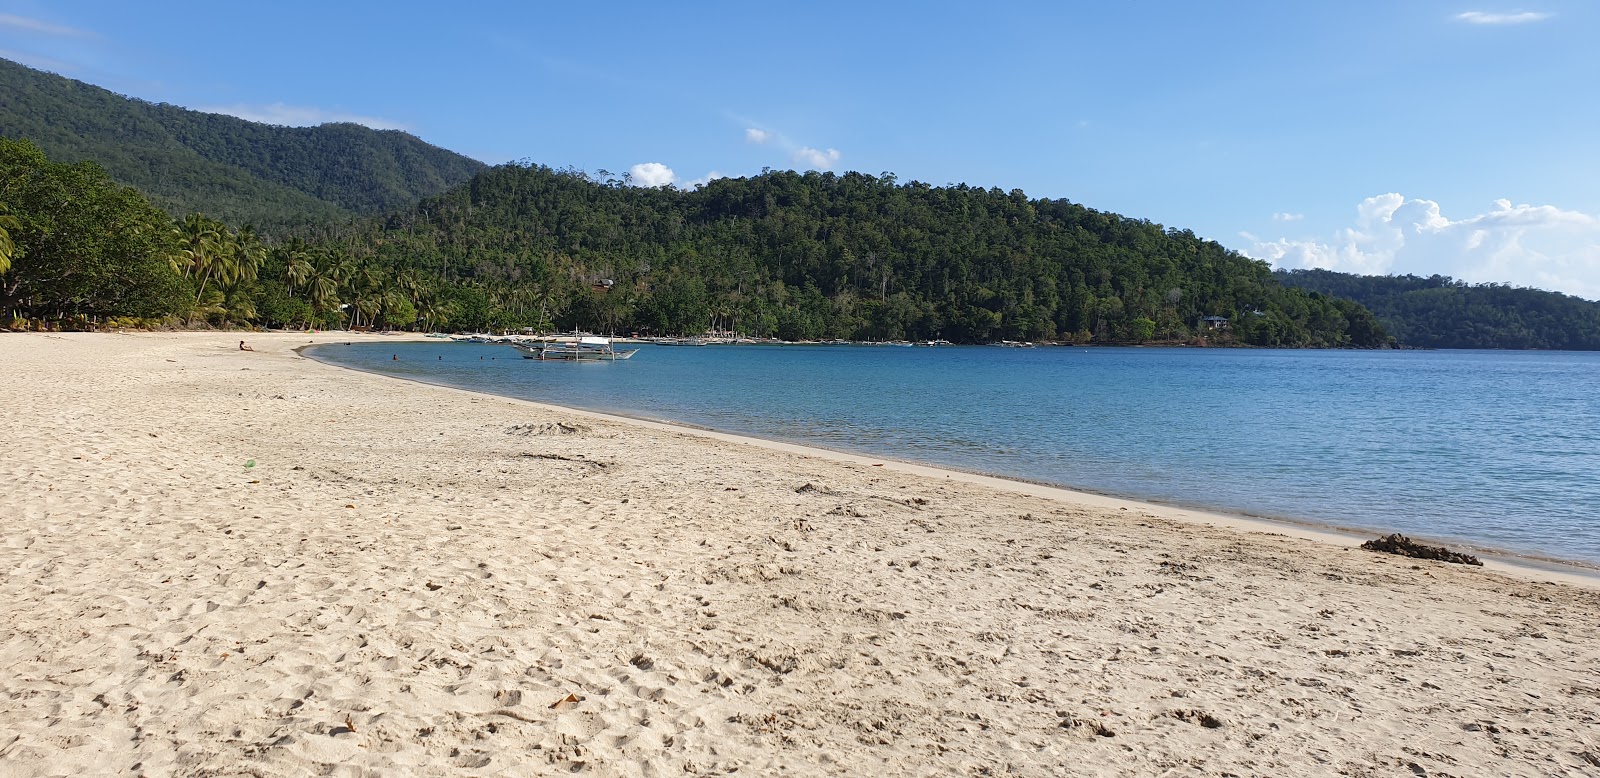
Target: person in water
<point>243,347</point>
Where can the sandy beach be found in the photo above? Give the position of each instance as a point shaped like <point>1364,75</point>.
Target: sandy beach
<point>250,563</point>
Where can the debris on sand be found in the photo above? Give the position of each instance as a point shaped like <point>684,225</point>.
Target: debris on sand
<point>553,428</point>
<point>1404,546</point>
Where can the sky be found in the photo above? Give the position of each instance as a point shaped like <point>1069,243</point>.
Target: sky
<point>1460,138</point>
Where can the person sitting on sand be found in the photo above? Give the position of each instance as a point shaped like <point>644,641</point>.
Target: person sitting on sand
<point>243,347</point>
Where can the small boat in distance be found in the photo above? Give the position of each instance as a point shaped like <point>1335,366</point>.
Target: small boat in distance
<point>582,348</point>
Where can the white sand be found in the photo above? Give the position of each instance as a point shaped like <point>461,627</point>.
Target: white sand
<point>401,586</point>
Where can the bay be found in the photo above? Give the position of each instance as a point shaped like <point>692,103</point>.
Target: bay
<point>1490,449</point>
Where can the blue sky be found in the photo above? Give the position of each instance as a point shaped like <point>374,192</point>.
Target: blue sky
<point>1452,137</point>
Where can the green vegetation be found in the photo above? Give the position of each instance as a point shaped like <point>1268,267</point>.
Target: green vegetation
<point>81,245</point>
<point>236,170</point>
<point>819,255</point>
<point>1441,312</point>
<point>782,254</point>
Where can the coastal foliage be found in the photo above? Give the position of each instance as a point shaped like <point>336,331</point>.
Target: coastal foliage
<point>83,250</point>
<point>820,255</point>
<point>230,168</point>
<point>8,247</point>
<point>1442,312</point>
<point>81,244</point>
<point>795,256</point>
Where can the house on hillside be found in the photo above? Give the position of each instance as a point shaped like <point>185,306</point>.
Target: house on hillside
<point>1214,322</point>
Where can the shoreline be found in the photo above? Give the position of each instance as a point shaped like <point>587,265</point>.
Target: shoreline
<point>256,563</point>
<point>1526,566</point>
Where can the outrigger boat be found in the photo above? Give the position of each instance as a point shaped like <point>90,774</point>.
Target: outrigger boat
<point>586,348</point>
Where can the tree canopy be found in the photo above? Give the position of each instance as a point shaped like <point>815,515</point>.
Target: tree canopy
<point>820,255</point>
<point>81,244</point>
<point>783,254</point>
<point>230,168</point>
<point>1442,312</point>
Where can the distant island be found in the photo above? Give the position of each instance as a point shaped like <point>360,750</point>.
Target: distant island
<point>118,211</point>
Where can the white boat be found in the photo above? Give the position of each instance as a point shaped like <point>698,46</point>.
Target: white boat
<point>584,348</point>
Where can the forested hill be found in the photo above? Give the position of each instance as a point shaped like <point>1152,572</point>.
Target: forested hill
<point>1441,312</point>
<point>782,254</point>
<point>240,171</point>
<point>821,255</point>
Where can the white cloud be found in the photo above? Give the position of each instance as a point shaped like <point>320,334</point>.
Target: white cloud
<point>821,160</point>
<point>703,180</point>
<point>1527,245</point>
<point>651,174</point>
<point>300,116</point>
<point>755,135</point>
<point>1288,217</point>
<point>1516,17</point>
<point>42,27</point>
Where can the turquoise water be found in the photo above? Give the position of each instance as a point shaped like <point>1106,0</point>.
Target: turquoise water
<point>1493,449</point>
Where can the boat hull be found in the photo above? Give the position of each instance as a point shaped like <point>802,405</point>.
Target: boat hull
<point>567,354</point>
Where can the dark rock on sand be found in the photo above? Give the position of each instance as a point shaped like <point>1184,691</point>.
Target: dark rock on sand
<point>1404,546</point>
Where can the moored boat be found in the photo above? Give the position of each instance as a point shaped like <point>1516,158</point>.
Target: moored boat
<point>585,348</point>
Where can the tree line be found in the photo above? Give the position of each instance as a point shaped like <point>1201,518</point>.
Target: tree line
<point>824,255</point>
<point>1442,312</point>
<point>783,254</point>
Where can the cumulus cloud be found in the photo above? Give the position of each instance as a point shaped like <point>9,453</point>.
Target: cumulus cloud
<point>42,27</point>
<point>1288,217</point>
<point>651,174</point>
<point>816,158</point>
<point>1541,246</point>
<point>1516,17</point>
<point>755,135</point>
<point>300,116</point>
<point>703,180</point>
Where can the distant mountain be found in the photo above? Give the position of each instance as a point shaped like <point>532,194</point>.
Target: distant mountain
<point>1441,312</point>
<point>226,167</point>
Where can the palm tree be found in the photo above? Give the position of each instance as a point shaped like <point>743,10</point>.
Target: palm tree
<point>366,284</point>
<point>410,284</point>
<point>323,291</point>
<point>395,303</point>
<point>435,311</point>
<point>8,249</point>
<point>203,250</point>
<point>297,267</point>
<point>248,255</point>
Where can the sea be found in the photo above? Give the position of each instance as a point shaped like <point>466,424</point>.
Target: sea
<point>1486,450</point>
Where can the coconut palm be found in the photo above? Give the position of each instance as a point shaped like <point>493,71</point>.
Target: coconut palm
<point>8,249</point>
<point>323,291</point>
<point>245,257</point>
<point>203,252</point>
<point>297,267</point>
